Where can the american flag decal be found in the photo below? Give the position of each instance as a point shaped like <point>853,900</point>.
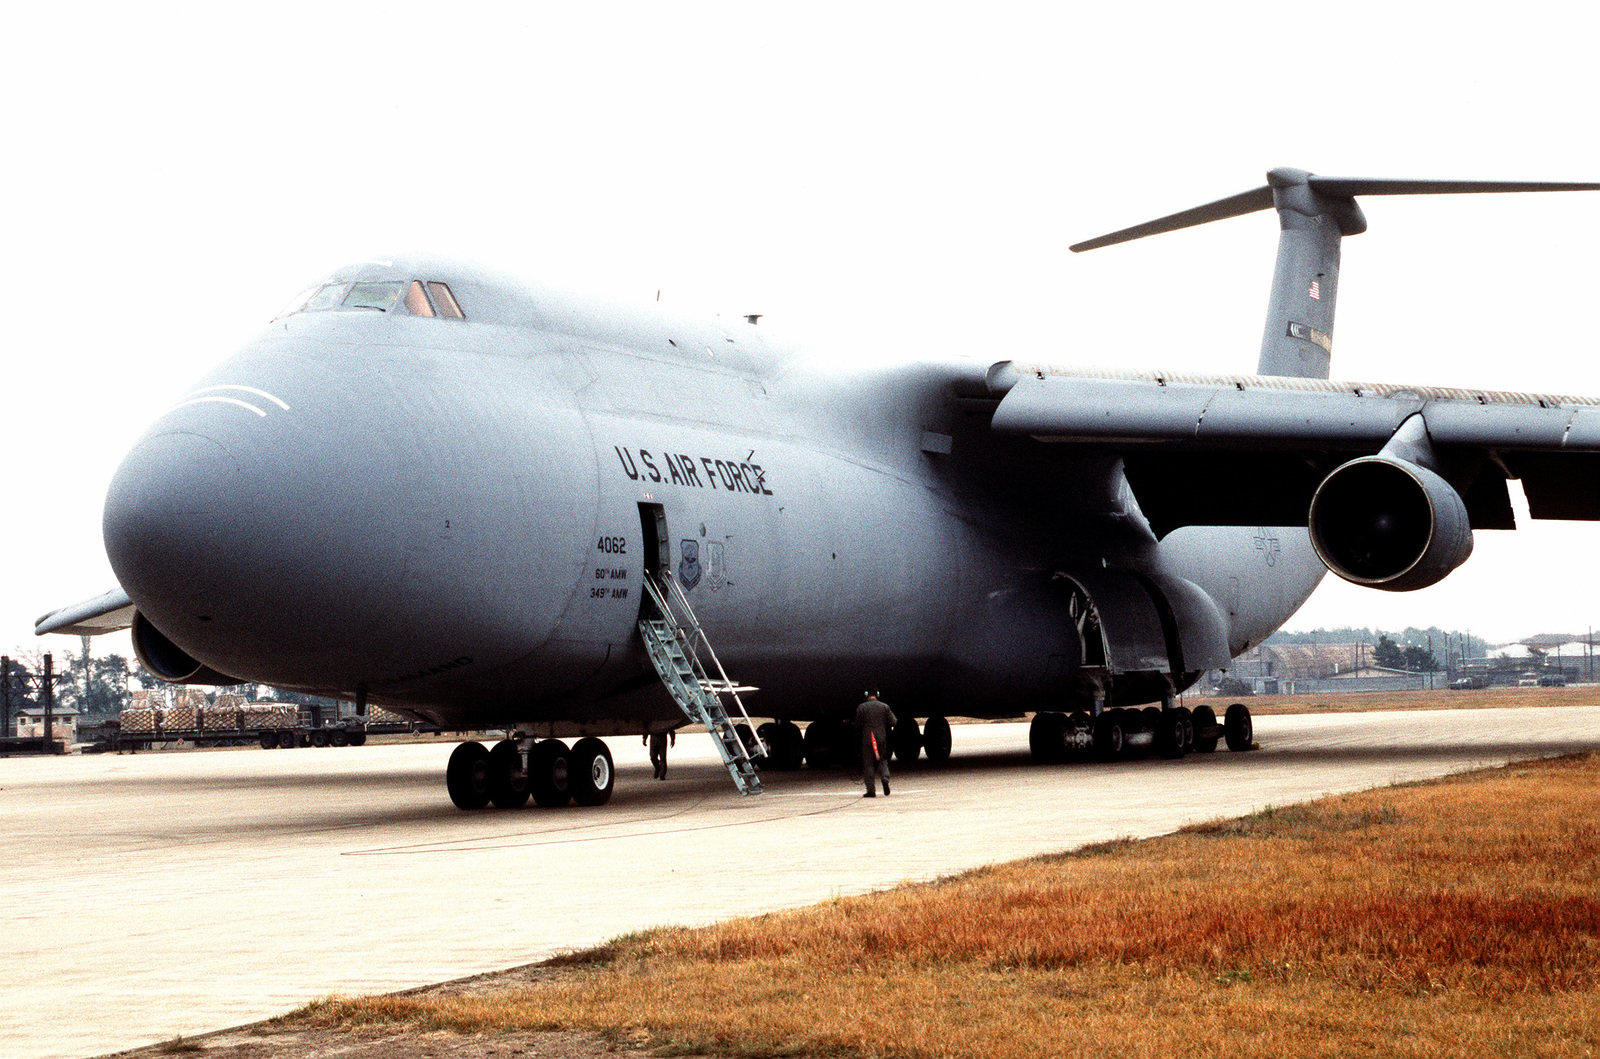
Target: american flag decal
<point>1316,290</point>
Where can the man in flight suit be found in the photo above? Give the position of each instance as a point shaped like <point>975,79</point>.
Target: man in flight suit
<point>874,718</point>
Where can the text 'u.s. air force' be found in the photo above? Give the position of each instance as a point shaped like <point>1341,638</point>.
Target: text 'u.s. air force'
<point>676,468</point>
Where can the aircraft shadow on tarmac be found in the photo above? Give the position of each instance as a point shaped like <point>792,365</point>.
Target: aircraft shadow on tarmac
<point>399,797</point>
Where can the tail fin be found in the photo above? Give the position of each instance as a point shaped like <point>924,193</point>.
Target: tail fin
<point>1314,214</point>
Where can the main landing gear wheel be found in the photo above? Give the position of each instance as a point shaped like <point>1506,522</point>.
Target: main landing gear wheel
<point>1237,729</point>
<point>549,773</point>
<point>936,739</point>
<point>819,750</point>
<point>1174,733</point>
<point>906,741</point>
<point>1109,735</point>
<point>786,747</point>
<point>590,772</point>
<point>1047,737</point>
<point>1206,730</point>
<point>467,776</point>
<point>508,783</point>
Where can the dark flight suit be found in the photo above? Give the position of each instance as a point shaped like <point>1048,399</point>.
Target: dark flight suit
<point>658,750</point>
<point>875,719</point>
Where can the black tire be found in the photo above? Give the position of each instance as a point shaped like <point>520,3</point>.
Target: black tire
<point>1047,737</point>
<point>1171,741</point>
<point>906,741</point>
<point>1206,730</point>
<point>319,737</point>
<point>820,751</point>
<point>288,740</point>
<point>269,740</point>
<point>358,737</point>
<point>549,773</point>
<point>339,737</point>
<point>1237,728</point>
<point>1110,736</point>
<point>466,777</point>
<point>936,739</point>
<point>508,783</point>
<point>791,746</point>
<point>591,772</point>
<point>786,750</point>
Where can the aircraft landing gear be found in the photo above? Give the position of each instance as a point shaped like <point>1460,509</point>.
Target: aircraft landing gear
<point>1206,730</point>
<point>936,739</point>
<point>906,741</point>
<point>786,747</point>
<point>467,776</point>
<point>554,774</point>
<point>1237,728</point>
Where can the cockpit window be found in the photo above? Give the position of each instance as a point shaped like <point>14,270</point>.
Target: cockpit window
<point>326,298</point>
<point>381,296</point>
<point>421,299</point>
<point>445,301</point>
<point>417,300</point>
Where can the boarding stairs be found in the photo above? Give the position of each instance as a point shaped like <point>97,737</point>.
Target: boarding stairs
<point>679,650</point>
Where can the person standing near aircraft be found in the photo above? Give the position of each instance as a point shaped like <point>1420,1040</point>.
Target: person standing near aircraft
<point>875,719</point>
<point>658,750</point>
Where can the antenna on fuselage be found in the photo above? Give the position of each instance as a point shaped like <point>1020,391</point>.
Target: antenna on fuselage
<point>1314,214</point>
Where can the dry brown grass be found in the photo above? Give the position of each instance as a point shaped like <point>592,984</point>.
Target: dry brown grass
<point>1460,917</point>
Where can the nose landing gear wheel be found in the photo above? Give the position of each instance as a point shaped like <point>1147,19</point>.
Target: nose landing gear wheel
<point>508,783</point>
<point>590,772</point>
<point>549,773</point>
<point>936,739</point>
<point>467,776</point>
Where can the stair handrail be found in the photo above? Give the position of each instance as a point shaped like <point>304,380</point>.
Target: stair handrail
<point>675,596</point>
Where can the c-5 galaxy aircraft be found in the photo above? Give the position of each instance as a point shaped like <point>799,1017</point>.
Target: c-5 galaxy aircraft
<point>494,506</point>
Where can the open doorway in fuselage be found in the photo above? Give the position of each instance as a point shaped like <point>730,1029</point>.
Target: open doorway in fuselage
<point>656,546</point>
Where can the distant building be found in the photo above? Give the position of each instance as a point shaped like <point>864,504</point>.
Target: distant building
<point>1303,668</point>
<point>63,724</point>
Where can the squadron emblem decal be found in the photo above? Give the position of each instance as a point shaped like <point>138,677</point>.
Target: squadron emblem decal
<point>689,568</point>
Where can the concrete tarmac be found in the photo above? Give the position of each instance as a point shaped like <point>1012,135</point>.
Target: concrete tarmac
<point>162,894</point>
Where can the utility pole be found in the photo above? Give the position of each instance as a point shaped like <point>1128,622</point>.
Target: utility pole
<point>5,696</point>
<point>47,692</point>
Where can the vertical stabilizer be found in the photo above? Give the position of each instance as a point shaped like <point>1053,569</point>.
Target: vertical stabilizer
<point>1298,338</point>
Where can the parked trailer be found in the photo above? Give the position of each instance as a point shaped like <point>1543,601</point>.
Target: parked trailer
<point>270,725</point>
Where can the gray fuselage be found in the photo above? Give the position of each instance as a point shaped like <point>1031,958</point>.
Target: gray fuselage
<point>445,516</point>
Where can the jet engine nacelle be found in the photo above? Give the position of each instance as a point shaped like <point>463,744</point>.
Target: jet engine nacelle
<point>1387,523</point>
<point>167,660</point>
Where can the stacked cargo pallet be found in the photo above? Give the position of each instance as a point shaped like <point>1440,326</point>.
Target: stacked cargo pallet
<point>268,715</point>
<point>379,715</point>
<point>139,720</point>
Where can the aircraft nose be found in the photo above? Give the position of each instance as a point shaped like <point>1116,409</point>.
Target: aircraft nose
<point>168,518</point>
<point>239,531</point>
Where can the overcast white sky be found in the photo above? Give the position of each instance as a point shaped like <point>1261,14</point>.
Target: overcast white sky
<point>883,179</point>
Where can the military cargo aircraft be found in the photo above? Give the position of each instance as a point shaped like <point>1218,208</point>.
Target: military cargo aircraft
<point>489,505</point>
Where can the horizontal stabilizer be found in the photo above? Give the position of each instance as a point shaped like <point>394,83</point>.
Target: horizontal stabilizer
<point>1258,199</point>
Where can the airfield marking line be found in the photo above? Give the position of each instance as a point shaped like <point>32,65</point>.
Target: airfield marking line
<point>487,845</point>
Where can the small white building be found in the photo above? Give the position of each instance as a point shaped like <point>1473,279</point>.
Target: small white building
<point>63,724</point>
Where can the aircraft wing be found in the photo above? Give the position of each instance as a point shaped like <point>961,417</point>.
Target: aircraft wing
<point>1252,450</point>
<point>109,612</point>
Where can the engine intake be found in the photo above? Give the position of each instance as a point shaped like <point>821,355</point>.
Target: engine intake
<point>1386,523</point>
<point>167,660</point>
